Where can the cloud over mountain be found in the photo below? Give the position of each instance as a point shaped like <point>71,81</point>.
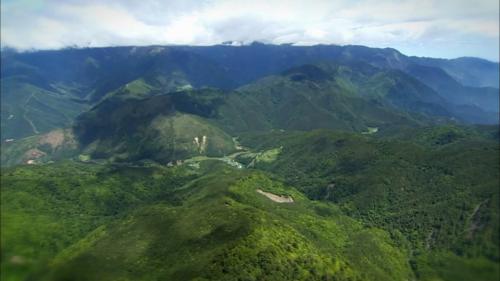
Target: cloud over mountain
<point>427,28</point>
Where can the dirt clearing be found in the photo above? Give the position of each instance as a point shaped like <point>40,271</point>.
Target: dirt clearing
<point>276,198</point>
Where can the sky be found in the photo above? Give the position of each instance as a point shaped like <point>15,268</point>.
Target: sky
<point>432,28</point>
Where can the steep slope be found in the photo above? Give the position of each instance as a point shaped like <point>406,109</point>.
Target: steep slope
<point>28,109</point>
<point>439,188</point>
<point>139,121</point>
<point>473,72</point>
<point>393,86</point>
<point>344,97</point>
<point>73,76</point>
<point>93,72</point>
<point>381,193</point>
<point>260,60</point>
<point>162,128</point>
<point>156,224</point>
<point>484,99</point>
<point>45,90</point>
<point>480,77</point>
<point>55,145</point>
<point>243,64</point>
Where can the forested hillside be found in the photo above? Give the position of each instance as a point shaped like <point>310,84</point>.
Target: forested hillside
<point>258,162</point>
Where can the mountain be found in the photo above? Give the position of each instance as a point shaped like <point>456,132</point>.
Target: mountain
<point>374,177</point>
<point>268,59</point>
<point>423,185</point>
<point>55,145</point>
<point>143,121</point>
<point>93,72</point>
<point>468,71</point>
<point>82,77</point>
<point>485,99</point>
<point>64,83</point>
<point>259,162</point>
<point>209,221</point>
<point>309,97</point>
<point>28,109</point>
<point>157,128</point>
<point>140,121</point>
<point>215,227</point>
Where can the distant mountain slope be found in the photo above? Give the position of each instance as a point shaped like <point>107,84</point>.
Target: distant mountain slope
<point>140,121</point>
<point>28,109</point>
<point>485,99</point>
<point>52,146</point>
<point>143,120</point>
<point>64,81</point>
<point>239,65</point>
<point>473,72</point>
<point>279,102</point>
<point>96,71</point>
<point>269,59</point>
<point>159,128</point>
<point>349,97</point>
<point>90,74</point>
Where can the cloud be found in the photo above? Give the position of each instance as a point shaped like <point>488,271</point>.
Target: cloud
<point>417,27</point>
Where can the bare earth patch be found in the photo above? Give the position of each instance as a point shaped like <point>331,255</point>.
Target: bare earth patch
<point>17,260</point>
<point>33,154</point>
<point>276,198</point>
<point>54,139</point>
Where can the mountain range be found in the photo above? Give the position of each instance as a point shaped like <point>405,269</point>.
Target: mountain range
<point>46,89</point>
<point>256,162</point>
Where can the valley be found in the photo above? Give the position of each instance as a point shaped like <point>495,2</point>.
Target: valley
<point>255,162</point>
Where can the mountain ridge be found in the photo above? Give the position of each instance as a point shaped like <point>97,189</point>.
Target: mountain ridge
<point>87,75</point>
<point>259,162</point>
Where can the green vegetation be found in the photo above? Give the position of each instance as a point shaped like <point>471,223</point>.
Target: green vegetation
<point>447,266</point>
<point>349,170</point>
<point>47,208</point>
<point>27,109</point>
<point>297,100</point>
<point>129,223</point>
<point>136,89</point>
<point>161,128</point>
<point>439,191</point>
<point>269,155</point>
<point>55,145</point>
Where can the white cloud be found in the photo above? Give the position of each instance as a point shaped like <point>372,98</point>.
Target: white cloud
<point>382,23</point>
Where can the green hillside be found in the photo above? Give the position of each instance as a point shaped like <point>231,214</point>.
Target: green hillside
<point>181,224</point>
<point>55,145</point>
<point>439,189</point>
<point>257,163</point>
<point>312,97</point>
<point>389,208</point>
<point>158,128</point>
<point>44,90</point>
<point>27,109</point>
